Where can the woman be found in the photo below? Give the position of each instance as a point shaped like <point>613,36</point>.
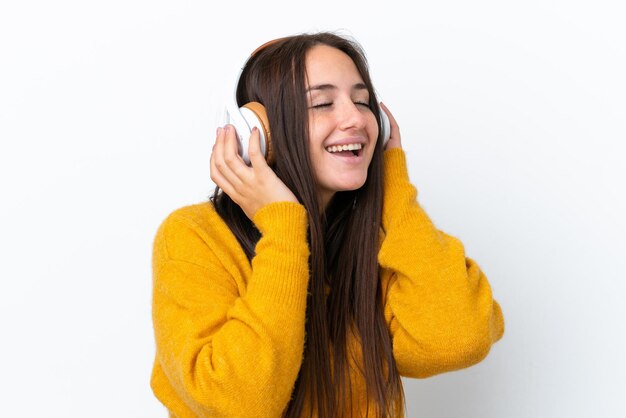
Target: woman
<point>309,285</point>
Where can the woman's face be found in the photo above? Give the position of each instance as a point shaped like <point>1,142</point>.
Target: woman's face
<point>339,114</point>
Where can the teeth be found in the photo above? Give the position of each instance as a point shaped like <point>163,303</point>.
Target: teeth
<point>348,147</point>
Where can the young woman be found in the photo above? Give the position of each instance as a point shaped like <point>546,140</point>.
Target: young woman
<point>307,286</point>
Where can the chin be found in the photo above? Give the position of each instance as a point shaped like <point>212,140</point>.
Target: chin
<point>351,187</point>
<point>347,185</point>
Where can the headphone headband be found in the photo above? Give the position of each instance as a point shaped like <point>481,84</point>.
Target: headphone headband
<point>266,44</point>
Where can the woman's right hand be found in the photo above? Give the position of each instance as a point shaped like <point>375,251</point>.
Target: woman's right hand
<point>250,187</point>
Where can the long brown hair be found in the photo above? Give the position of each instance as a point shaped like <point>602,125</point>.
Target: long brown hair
<point>343,239</point>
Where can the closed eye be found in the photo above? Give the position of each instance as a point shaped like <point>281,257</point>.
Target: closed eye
<point>321,105</point>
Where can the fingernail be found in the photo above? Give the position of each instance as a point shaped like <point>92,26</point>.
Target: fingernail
<point>227,128</point>
<point>255,129</point>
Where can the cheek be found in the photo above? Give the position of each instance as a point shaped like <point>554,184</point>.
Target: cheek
<point>372,128</point>
<point>319,130</point>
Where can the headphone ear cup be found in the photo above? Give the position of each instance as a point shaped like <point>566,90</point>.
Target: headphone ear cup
<point>385,125</point>
<point>256,116</point>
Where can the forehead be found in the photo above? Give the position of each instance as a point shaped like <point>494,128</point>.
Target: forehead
<point>325,64</point>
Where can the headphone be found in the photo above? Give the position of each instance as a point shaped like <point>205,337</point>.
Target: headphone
<point>253,114</point>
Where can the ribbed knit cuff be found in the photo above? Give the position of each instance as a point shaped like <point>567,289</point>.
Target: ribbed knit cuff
<point>280,266</point>
<point>283,219</point>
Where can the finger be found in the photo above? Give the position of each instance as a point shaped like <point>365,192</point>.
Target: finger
<point>217,178</point>
<point>216,175</point>
<point>254,149</point>
<point>231,155</point>
<point>215,148</point>
<point>223,184</point>
<point>221,165</point>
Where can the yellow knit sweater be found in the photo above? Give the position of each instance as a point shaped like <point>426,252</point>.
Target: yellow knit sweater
<point>230,334</point>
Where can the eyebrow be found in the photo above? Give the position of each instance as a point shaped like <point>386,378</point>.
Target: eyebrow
<point>324,87</point>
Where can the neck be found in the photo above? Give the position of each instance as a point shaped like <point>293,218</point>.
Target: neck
<point>324,199</point>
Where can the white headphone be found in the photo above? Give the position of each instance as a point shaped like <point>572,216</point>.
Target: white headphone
<point>253,114</point>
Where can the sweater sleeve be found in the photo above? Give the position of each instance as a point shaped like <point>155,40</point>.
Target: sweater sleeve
<point>438,303</point>
<point>225,348</point>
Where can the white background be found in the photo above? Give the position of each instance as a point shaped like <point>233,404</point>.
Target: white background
<point>512,117</point>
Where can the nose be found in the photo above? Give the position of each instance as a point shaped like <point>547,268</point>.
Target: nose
<point>351,116</point>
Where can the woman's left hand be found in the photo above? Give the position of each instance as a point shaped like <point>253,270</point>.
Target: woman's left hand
<point>394,139</point>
